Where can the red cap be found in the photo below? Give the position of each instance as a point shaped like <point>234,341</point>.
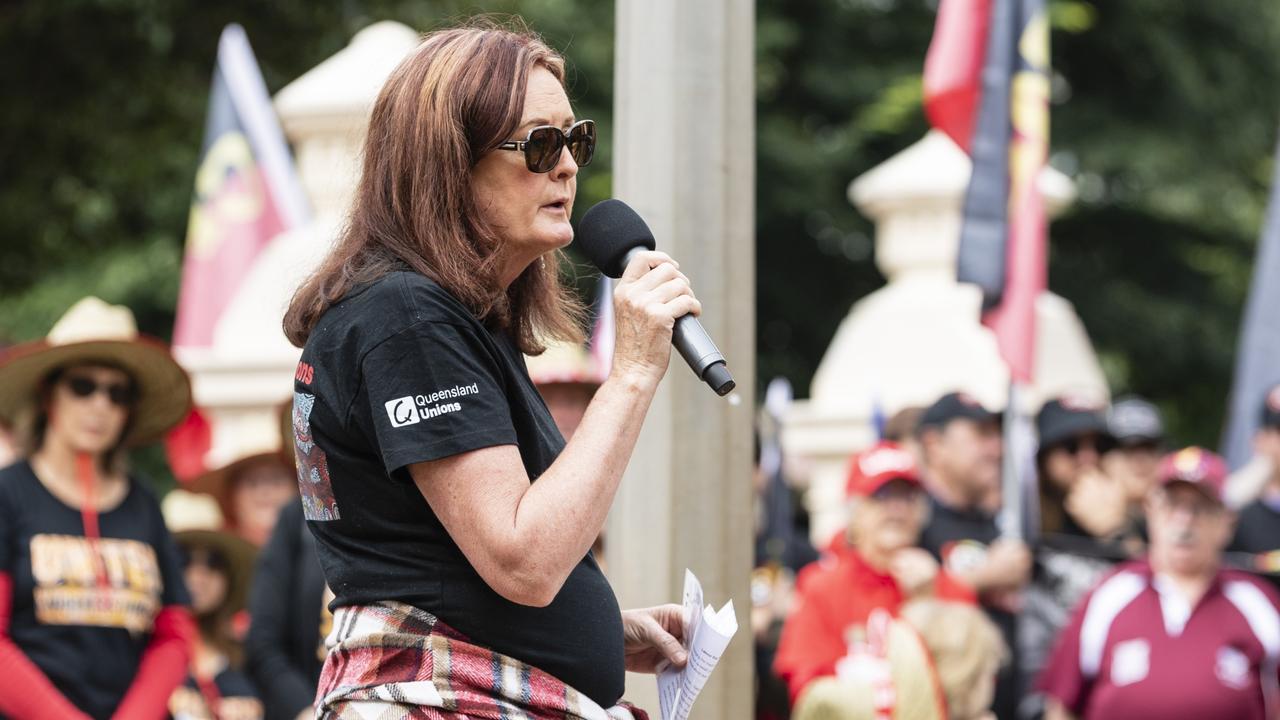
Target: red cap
<point>1197,466</point>
<point>872,469</point>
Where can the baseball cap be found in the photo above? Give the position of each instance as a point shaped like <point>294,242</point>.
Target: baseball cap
<point>1066,417</point>
<point>1271,408</point>
<point>1196,466</point>
<point>954,406</point>
<point>876,467</point>
<point>1132,421</point>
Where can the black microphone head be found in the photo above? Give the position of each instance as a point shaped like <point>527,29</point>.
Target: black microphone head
<point>608,231</point>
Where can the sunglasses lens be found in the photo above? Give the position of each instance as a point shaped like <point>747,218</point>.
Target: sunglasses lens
<point>582,142</point>
<point>81,387</point>
<point>542,150</point>
<point>122,395</point>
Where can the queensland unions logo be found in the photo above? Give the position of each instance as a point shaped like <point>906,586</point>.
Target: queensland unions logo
<point>413,409</point>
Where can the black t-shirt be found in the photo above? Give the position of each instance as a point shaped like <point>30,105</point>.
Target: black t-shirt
<point>401,373</point>
<point>87,639</point>
<point>958,539</point>
<point>1256,546</point>
<point>236,699</point>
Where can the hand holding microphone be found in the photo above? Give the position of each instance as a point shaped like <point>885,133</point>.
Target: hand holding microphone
<point>653,303</point>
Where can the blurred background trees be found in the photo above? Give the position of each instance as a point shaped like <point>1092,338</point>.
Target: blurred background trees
<point>1165,113</point>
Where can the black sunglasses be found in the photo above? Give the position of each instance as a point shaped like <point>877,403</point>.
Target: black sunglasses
<point>1101,444</point>
<point>122,394</point>
<point>543,145</point>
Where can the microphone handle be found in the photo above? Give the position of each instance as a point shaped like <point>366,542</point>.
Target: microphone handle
<point>697,348</point>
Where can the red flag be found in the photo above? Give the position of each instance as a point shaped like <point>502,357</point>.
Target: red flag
<point>953,67</point>
<point>186,445</point>
<point>246,191</point>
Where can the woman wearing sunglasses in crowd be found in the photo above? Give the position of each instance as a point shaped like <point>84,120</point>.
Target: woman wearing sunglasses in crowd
<point>93,618</point>
<point>1085,526</point>
<point>453,522</point>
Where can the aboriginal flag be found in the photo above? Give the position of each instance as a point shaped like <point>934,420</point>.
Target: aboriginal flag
<point>246,191</point>
<point>986,85</point>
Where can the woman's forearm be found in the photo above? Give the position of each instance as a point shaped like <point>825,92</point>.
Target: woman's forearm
<point>564,511</point>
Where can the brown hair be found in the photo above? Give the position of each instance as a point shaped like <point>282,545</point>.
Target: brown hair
<point>454,99</point>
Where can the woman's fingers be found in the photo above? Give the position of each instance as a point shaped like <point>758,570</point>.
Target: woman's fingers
<point>645,261</point>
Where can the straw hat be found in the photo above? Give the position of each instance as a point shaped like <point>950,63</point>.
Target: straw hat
<point>93,331</point>
<point>196,521</point>
<point>217,482</point>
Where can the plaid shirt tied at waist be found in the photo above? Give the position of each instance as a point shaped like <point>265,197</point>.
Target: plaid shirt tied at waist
<point>390,660</point>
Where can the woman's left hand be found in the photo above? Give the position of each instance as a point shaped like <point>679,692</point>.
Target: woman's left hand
<point>651,635</point>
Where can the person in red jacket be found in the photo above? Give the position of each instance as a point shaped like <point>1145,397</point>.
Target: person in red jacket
<point>93,616</point>
<point>880,567</point>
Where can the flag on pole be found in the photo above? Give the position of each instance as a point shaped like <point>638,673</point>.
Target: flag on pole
<point>1003,236</point>
<point>246,191</point>
<point>602,330</point>
<point>1258,351</point>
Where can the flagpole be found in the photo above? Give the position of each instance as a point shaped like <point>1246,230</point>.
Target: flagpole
<point>1011,485</point>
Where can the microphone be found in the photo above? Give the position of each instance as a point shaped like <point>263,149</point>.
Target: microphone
<point>610,235</point>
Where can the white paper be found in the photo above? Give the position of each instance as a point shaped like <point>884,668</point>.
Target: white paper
<point>706,635</point>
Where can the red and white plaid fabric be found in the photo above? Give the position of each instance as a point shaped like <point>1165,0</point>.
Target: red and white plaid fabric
<point>389,661</point>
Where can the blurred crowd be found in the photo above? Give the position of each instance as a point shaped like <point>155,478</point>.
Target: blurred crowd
<point>1139,579</point>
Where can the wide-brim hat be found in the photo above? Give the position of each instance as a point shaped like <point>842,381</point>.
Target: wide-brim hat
<point>93,331</point>
<point>217,482</point>
<point>196,521</point>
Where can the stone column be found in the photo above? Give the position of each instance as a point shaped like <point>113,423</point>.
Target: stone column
<point>684,158</point>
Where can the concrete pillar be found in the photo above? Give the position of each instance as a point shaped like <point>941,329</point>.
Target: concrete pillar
<point>684,158</point>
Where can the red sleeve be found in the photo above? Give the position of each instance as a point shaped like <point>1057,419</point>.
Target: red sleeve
<point>25,692</point>
<point>950,587</point>
<point>1062,678</point>
<point>810,645</point>
<point>163,667</point>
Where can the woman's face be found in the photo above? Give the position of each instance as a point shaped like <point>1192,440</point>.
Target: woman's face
<point>87,411</point>
<point>529,211</point>
<point>206,577</point>
<point>258,494</point>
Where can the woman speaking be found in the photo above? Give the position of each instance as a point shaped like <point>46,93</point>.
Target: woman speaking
<point>453,522</point>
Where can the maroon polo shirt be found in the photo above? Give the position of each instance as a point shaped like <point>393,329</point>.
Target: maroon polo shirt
<point>1136,649</point>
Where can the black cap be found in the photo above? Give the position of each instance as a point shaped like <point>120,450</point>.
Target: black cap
<point>954,406</point>
<point>1271,408</point>
<point>1134,421</point>
<point>1064,418</point>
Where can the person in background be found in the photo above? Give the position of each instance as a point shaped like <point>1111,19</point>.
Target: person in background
<point>967,650</point>
<point>888,674</point>
<point>252,490</point>
<point>961,444</point>
<point>1257,539</point>
<point>901,428</point>
<point>217,569</point>
<point>1138,430</point>
<point>93,611</point>
<point>881,568</point>
<point>1084,528</point>
<point>1174,636</point>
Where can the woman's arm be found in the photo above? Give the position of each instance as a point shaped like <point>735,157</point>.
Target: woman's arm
<point>163,667</point>
<point>25,691</point>
<point>525,538</point>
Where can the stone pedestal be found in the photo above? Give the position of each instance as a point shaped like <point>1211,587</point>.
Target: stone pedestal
<point>920,336</point>
<point>684,76</point>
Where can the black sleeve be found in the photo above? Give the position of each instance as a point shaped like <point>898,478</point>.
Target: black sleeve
<point>434,390</point>
<point>285,689</point>
<point>174,586</point>
<point>7,516</point>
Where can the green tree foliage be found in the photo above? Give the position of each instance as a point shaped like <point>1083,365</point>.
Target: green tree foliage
<point>1164,111</point>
